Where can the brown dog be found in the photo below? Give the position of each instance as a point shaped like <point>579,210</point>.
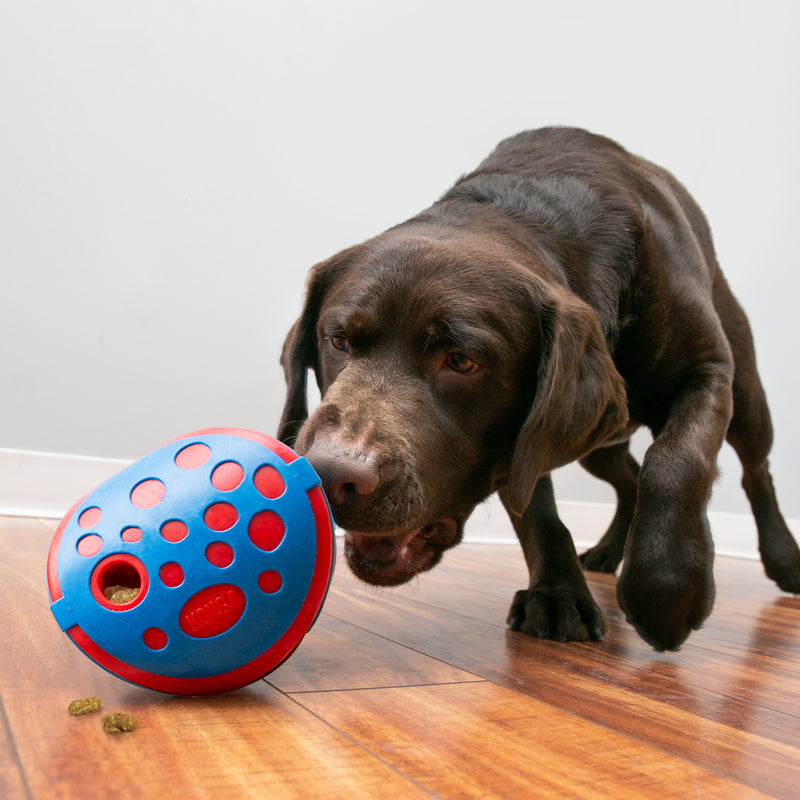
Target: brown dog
<point>560,296</point>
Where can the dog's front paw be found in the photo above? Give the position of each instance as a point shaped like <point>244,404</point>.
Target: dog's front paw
<point>566,615</point>
<point>665,605</point>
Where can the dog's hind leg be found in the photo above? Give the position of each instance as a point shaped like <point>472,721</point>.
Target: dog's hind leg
<point>750,435</point>
<point>618,467</point>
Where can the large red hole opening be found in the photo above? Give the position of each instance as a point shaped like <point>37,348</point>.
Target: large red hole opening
<point>119,582</point>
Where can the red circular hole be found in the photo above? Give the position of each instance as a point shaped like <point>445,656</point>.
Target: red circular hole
<point>266,530</point>
<point>90,545</point>
<point>219,554</point>
<point>269,482</point>
<point>155,638</point>
<point>227,476</point>
<point>174,530</point>
<point>90,517</point>
<point>270,582</point>
<point>171,574</point>
<point>220,516</point>
<point>119,582</point>
<point>193,456</point>
<point>148,493</point>
<point>132,534</point>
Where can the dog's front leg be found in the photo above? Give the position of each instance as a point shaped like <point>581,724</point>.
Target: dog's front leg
<point>557,603</point>
<point>666,586</point>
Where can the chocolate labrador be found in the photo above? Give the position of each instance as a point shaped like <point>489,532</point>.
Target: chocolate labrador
<point>561,295</point>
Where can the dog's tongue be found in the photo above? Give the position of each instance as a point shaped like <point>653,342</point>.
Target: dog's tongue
<point>382,549</point>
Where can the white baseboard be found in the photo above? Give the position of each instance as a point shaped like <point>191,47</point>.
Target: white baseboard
<point>35,484</point>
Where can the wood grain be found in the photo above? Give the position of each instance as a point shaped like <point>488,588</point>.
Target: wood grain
<point>419,691</point>
<point>12,783</point>
<point>497,743</point>
<point>372,661</point>
<point>723,689</point>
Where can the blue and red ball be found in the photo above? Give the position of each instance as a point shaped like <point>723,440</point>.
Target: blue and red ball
<point>200,567</point>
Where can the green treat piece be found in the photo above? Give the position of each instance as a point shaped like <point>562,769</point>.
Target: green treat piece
<point>120,594</point>
<point>119,722</point>
<point>88,705</point>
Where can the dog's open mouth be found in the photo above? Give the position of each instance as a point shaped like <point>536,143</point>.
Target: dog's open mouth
<point>392,559</point>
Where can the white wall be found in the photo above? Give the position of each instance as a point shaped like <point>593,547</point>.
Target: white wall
<point>170,170</point>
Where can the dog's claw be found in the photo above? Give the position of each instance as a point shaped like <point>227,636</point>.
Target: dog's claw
<point>596,634</point>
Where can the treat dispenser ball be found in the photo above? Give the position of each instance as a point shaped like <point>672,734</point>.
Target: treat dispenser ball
<point>200,567</point>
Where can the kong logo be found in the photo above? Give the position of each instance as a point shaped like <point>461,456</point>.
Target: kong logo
<point>212,610</point>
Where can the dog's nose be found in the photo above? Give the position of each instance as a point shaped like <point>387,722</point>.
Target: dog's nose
<point>347,475</point>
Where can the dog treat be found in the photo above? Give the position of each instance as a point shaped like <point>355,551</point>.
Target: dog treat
<point>87,705</point>
<point>121,594</point>
<point>119,722</point>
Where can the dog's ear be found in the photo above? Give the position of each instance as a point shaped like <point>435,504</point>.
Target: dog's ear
<point>300,352</point>
<point>580,398</point>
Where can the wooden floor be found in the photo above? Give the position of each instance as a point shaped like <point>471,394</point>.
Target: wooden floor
<point>419,692</point>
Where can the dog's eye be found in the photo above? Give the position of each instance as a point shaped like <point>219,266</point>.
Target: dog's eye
<point>340,343</point>
<point>460,363</point>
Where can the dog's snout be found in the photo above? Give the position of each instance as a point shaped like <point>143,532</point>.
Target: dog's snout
<point>347,475</point>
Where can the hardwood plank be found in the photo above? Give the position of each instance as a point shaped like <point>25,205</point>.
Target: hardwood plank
<point>337,655</point>
<point>12,783</point>
<point>619,683</point>
<point>500,744</point>
<point>228,746</point>
<point>232,745</point>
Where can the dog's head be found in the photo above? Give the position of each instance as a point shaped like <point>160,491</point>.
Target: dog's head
<point>447,369</point>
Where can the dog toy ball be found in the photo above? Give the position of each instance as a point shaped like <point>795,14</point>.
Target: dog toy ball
<point>200,567</point>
